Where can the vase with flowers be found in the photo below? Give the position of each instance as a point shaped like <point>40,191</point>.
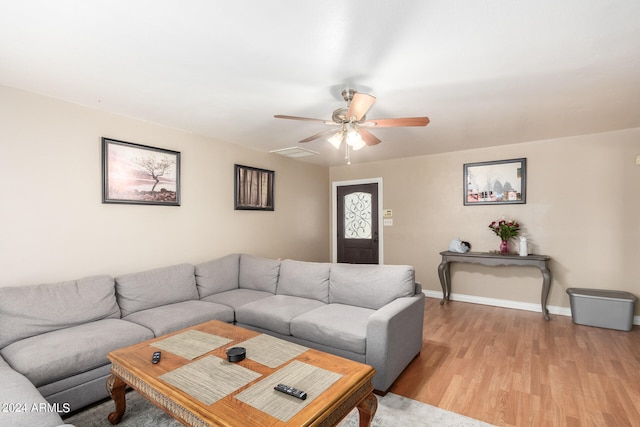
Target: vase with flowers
<point>506,229</point>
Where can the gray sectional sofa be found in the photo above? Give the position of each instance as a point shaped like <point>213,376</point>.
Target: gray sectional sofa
<point>54,338</point>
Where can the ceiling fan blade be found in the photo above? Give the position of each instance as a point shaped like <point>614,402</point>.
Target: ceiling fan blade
<point>280,116</point>
<point>360,104</point>
<point>368,137</point>
<point>319,135</point>
<point>404,121</point>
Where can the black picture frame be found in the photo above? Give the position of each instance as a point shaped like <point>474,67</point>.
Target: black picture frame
<point>139,174</point>
<point>253,188</point>
<point>499,182</point>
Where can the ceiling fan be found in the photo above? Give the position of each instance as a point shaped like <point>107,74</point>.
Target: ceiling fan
<point>353,123</point>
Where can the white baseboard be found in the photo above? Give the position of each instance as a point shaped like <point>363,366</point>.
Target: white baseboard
<point>563,311</point>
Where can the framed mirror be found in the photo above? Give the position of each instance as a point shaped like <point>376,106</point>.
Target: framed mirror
<point>495,183</point>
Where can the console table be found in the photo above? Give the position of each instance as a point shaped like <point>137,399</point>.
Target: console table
<point>494,260</point>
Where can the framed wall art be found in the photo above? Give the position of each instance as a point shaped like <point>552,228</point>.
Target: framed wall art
<point>496,182</point>
<point>139,174</point>
<point>253,188</point>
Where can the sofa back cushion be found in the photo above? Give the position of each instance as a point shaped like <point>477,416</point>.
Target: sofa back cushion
<point>218,275</point>
<point>370,286</point>
<point>260,274</point>
<point>304,279</point>
<point>26,311</point>
<point>153,288</point>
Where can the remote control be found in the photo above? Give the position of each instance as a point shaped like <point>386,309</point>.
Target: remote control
<point>156,357</point>
<point>291,391</point>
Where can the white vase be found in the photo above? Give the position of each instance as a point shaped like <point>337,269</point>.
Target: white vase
<point>523,246</point>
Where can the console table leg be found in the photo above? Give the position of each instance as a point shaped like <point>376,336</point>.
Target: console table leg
<point>367,409</point>
<point>116,388</point>
<point>445,281</point>
<point>546,285</point>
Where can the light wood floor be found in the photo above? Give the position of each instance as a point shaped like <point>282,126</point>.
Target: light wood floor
<point>512,368</point>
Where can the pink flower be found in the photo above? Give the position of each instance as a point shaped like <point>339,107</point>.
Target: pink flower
<point>505,229</point>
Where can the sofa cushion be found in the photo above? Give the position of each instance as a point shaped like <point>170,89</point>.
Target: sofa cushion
<point>26,311</point>
<point>260,274</point>
<point>275,313</point>
<point>370,286</point>
<point>173,317</point>
<point>152,288</point>
<point>237,297</point>
<point>58,354</point>
<point>218,275</point>
<point>304,279</point>
<point>334,325</point>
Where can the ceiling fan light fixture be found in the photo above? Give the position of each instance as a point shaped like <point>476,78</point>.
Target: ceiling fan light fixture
<point>354,139</point>
<point>336,139</point>
<point>353,123</point>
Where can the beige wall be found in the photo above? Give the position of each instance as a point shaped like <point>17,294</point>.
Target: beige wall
<point>583,209</point>
<point>53,225</point>
<point>582,206</point>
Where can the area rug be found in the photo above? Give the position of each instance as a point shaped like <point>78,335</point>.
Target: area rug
<point>393,411</point>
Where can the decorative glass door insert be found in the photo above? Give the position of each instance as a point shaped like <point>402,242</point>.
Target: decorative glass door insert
<point>357,216</point>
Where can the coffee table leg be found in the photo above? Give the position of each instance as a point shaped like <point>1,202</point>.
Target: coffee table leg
<point>116,388</point>
<point>367,409</point>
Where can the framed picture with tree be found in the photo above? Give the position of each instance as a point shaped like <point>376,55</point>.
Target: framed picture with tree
<point>139,174</point>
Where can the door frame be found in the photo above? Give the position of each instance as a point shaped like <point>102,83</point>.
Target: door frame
<point>334,215</point>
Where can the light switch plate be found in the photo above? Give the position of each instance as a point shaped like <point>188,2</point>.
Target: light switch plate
<point>638,160</point>
<point>388,222</point>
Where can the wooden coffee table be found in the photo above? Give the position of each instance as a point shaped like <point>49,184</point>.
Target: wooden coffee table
<point>340,384</point>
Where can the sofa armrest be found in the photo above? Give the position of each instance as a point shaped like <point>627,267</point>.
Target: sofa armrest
<point>394,338</point>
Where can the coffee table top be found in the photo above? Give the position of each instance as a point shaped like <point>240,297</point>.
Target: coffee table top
<point>196,384</point>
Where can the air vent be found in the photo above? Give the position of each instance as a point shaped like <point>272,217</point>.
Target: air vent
<point>294,152</point>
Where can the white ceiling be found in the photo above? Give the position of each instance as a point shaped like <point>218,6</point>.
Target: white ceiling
<point>485,72</point>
